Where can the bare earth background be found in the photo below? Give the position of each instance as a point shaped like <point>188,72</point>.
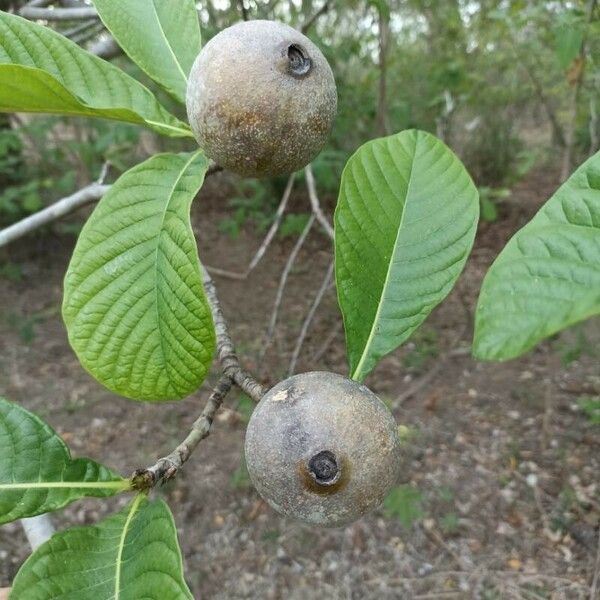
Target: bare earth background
<point>504,465</point>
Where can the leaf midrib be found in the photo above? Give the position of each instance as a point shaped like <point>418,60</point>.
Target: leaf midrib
<point>162,32</point>
<point>158,242</point>
<point>119,561</point>
<point>357,375</point>
<point>123,484</point>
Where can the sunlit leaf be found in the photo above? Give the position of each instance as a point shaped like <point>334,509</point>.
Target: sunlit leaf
<point>132,555</point>
<point>404,226</point>
<point>37,473</point>
<point>163,38</point>
<point>134,303</point>
<point>548,275</point>
<point>42,71</point>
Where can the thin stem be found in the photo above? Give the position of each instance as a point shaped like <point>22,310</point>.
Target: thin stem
<point>265,243</point>
<point>309,317</point>
<point>315,203</point>
<point>226,352</point>
<point>84,196</point>
<point>282,283</point>
<point>57,14</point>
<point>167,467</point>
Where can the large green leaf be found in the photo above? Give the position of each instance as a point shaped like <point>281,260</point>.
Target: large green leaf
<point>37,473</point>
<point>404,226</point>
<point>548,275</point>
<point>163,38</point>
<point>133,555</point>
<point>42,71</point>
<point>134,304</point>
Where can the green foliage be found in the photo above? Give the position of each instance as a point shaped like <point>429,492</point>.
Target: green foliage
<point>450,522</point>
<point>240,478</point>
<point>292,225</point>
<point>41,160</point>
<point>42,71</point>
<point>568,40</point>
<point>131,555</point>
<point>489,199</point>
<point>253,203</point>
<point>162,40</point>
<point>422,348</point>
<point>37,473</point>
<point>590,405</point>
<point>404,226</point>
<point>246,407</point>
<point>492,151</point>
<point>576,345</point>
<point>134,304</point>
<point>11,271</point>
<point>404,503</point>
<point>548,276</point>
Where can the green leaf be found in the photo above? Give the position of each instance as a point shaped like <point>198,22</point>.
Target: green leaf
<point>548,275</point>
<point>404,226</point>
<point>163,38</point>
<point>37,473</point>
<point>404,503</point>
<point>134,304</point>
<point>131,555</point>
<point>42,71</point>
<point>568,40</point>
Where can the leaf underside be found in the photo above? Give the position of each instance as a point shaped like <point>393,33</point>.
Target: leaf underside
<point>132,555</point>
<point>134,303</point>
<point>163,42</point>
<point>404,226</point>
<point>37,473</point>
<point>42,71</point>
<point>548,275</point>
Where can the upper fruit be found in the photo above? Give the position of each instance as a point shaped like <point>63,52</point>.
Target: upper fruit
<point>322,448</point>
<point>261,99</point>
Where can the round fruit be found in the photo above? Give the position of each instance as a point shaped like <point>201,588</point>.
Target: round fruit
<point>322,449</point>
<point>261,99</point>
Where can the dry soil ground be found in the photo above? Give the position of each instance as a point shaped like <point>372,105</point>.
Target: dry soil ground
<point>501,491</point>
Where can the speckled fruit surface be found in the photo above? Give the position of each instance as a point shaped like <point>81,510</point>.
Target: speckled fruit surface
<point>322,448</point>
<point>261,99</point>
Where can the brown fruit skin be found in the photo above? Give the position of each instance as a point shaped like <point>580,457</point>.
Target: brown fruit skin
<point>249,111</point>
<point>305,416</point>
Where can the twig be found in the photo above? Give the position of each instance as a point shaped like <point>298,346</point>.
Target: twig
<point>418,385</point>
<point>328,341</point>
<point>226,352</point>
<point>90,193</point>
<point>309,317</point>
<point>38,529</point>
<point>75,31</point>
<point>266,242</point>
<point>38,3</point>
<point>85,36</point>
<point>311,20</point>
<point>86,195</point>
<point>282,282</point>
<point>57,14</point>
<point>105,48</point>
<point>167,467</point>
<point>314,201</point>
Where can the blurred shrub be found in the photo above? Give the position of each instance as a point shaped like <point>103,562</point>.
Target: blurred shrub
<point>45,158</point>
<point>492,150</point>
